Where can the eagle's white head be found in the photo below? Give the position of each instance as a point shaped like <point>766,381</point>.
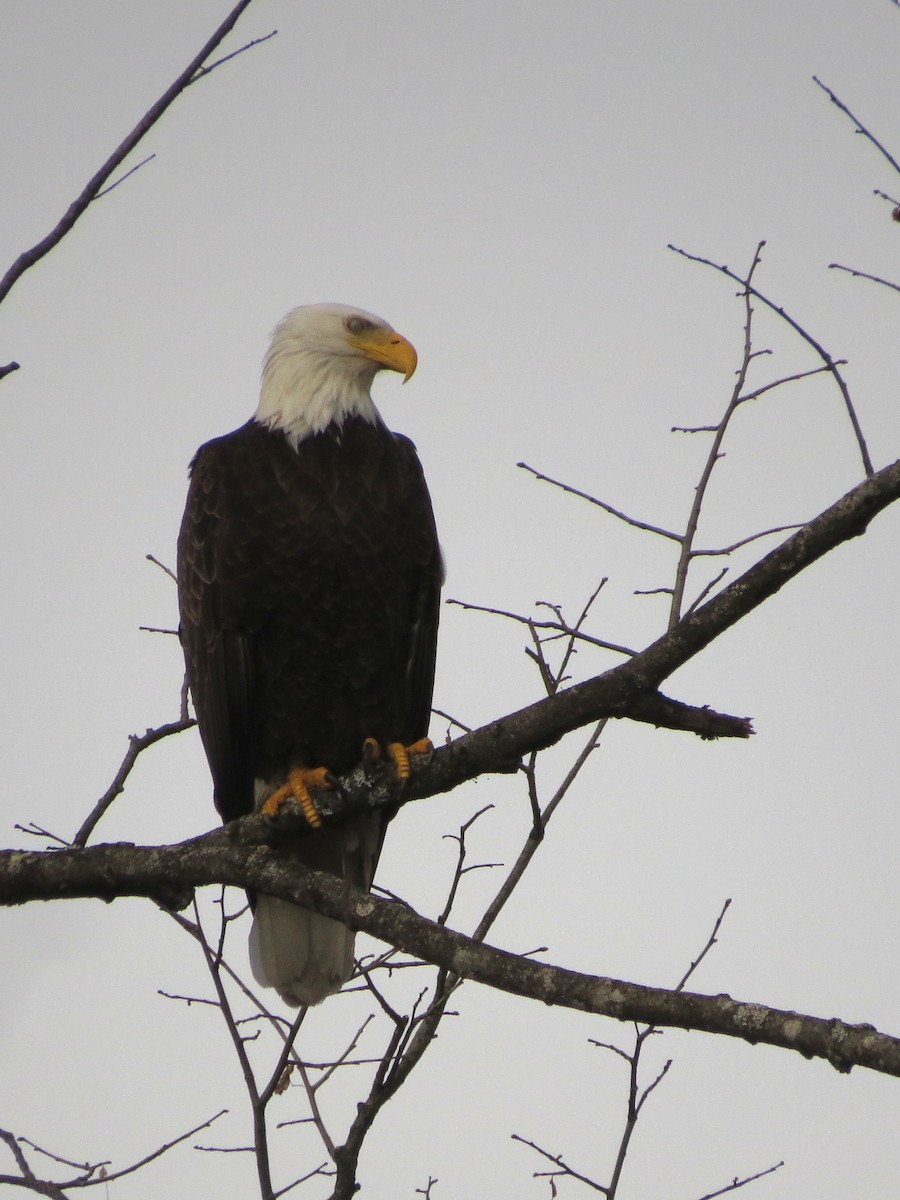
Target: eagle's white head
<point>320,366</point>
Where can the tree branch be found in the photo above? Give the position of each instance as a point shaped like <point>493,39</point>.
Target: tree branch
<point>136,746</point>
<point>831,364</point>
<point>627,690</point>
<point>224,856</point>
<point>865,275</point>
<point>93,187</point>
<point>860,128</point>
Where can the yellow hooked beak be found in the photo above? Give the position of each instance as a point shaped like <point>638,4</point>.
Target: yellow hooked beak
<point>389,349</point>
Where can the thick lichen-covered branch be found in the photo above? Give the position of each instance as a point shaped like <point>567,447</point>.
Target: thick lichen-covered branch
<point>227,856</point>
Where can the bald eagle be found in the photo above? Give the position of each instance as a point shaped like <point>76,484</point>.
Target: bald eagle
<point>309,576</point>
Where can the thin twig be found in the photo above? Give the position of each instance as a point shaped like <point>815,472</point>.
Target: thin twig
<point>228,57</point>
<point>88,1176</point>
<point>830,363</point>
<point>95,184</point>
<point>711,941</point>
<point>529,849</point>
<point>460,839</point>
<point>777,383</point>
<point>151,558</point>
<point>704,592</point>
<point>105,191</point>
<point>136,746</point>
<point>860,128</point>
<point>315,1111</point>
<point>111,1175</point>
<point>615,512</point>
<point>34,830</point>
<point>557,626</point>
<point>687,541</point>
<point>86,1168</point>
<point>865,275</point>
<point>322,1169</point>
<point>564,1168</point>
<point>260,1139</point>
<point>739,1183</point>
<point>343,1060</point>
<point>745,541</point>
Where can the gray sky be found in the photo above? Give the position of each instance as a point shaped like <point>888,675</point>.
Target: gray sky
<point>500,183</point>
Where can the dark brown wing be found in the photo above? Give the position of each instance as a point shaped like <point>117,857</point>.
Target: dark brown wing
<point>215,550</point>
<point>309,587</point>
<point>421,539</point>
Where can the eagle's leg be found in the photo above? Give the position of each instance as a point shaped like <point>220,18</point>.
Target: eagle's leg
<point>397,752</point>
<point>299,781</point>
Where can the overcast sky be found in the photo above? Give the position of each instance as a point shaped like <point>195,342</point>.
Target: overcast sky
<point>500,182</point>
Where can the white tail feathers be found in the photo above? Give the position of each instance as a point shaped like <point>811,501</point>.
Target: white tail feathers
<point>306,957</point>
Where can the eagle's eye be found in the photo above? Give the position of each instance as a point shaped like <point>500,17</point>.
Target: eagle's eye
<point>358,324</point>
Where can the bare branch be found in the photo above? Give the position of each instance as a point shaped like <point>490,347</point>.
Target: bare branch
<point>615,512</point>
<point>315,1111</point>
<point>830,363</point>
<point>564,1168</point>
<point>87,1168</point>
<point>705,591</point>
<point>258,1104</point>
<point>777,383</point>
<point>228,57</point>
<point>690,532</point>
<point>739,1183</point>
<point>460,839</point>
<point>560,627</point>
<point>860,128</point>
<point>884,195</point>
<point>136,745</point>
<point>651,1087</point>
<point>93,187</point>
<point>865,275</point>
<point>534,839</point>
<point>321,1169</point>
<point>711,941</point>
<point>90,1173</point>
<point>745,541</point>
<point>127,175</point>
<point>151,558</point>
<point>28,1176</point>
<point>148,1158</point>
<point>222,857</point>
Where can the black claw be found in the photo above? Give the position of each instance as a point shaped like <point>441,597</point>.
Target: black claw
<point>333,782</point>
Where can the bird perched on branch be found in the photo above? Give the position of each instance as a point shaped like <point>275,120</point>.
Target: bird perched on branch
<point>309,576</point>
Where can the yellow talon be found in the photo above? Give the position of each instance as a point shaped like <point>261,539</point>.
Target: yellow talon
<point>300,780</point>
<point>309,811</point>
<point>400,755</point>
<point>423,746</point>
<point>397,753</point>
